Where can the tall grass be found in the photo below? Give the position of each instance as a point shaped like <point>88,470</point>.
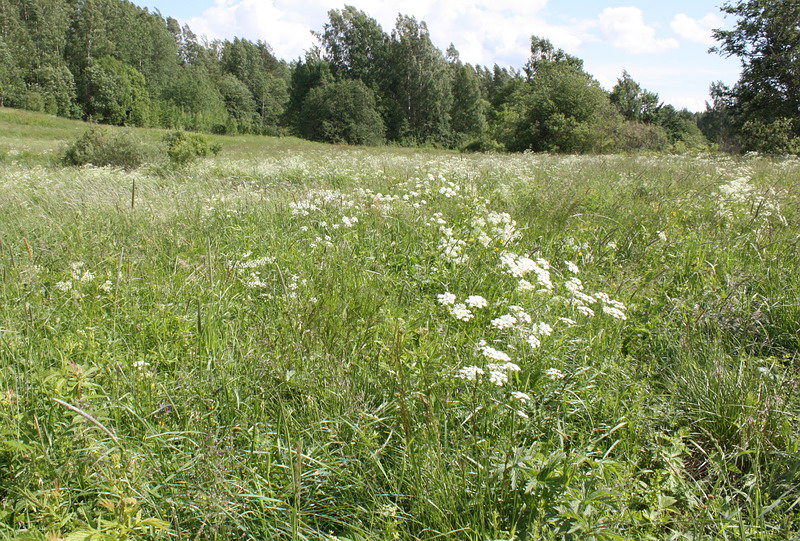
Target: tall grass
<point>285,347</point>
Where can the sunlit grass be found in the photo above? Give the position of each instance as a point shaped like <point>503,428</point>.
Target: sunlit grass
<point>290,345</point>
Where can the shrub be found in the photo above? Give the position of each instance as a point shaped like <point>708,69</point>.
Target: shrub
<point>776,137</point>
<point>342,112</point>
<point>102,146</point>
<point>184,147</point>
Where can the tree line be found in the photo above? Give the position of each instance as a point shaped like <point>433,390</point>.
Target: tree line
<point>110,61</point>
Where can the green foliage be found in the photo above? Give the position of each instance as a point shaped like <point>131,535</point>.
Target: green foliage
<point>115,93</point>
<point>58,88</point>
<point>263,347</point>
<point>467,115</point>
<point>765,38</point>
<point>183,147</point>
<point>562,109</point>
<point>681,128</point>
<point>355,46</point>
<point>342,112</point>
<point>264,76</point>
<point>306,75</point>
<point>634,136</point>
<point>632,101</point>
<point>239,101</point>
<point>417,86</point>
<point>101,147</point>
<point>776,137</point>
<point>11,75</point>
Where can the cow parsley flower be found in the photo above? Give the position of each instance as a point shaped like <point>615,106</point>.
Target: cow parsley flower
<point>572,267</point>
<point>498,378</point>
<point>506,321</point>
<point>505,367</point>
<point>64,285</point>
<point>494,354</point>
<point>615,312</point>
<point>476,301</point>
<point>585,310</point>
<point>533,341</point>
<point>542,329</point>
<point>522,397</point>
<point>470,373</point>
<point>446,298</point>
<point>554,373</point>
<point>460,311</point>
<point>522,316</point>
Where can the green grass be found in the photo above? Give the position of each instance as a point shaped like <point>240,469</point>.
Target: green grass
<point>203,354</point>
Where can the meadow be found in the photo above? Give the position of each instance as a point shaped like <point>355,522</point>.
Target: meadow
<point>299,341</point>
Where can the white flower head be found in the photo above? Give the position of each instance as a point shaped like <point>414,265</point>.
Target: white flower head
<point>64,285</point>
<point>494,354</point>
<point>615,312</point>
<point>476,301</point>
<point>470,373</point>
<point>572,267</point>
<point>446,298</point>
<point>498,378</point>
<point>522,397</point>
<point>506,321</point>
<point>460,311</point>
<point>554,373</point>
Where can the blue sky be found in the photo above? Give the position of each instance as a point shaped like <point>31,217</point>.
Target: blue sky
<point>663,45</point>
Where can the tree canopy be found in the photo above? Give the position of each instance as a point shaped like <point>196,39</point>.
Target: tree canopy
<point>111,61</point>
<point>764,105</point>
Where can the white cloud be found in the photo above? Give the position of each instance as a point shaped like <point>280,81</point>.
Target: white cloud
<point>624,28</point>
<point>696,30</point>
<point>483,31</point>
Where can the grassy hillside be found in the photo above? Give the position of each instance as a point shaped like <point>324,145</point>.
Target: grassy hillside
<point>36,137</point>
<point>297,341</point>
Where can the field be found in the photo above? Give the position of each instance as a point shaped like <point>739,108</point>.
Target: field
<point>297,341</point>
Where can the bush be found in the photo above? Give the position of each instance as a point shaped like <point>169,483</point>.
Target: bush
<point>483,144</point>
<point>776,137</point>
<point>635,136</point>
<point>184,147</point>
<point>102,146</point>
<point>342,112</point>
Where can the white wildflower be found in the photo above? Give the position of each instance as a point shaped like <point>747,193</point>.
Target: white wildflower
<point>470,373</point>
<point>64,285</point>
<point>506,321</point>
<point>574,285</point>
<point>494,354</point>
<point>542,329</point>
<point>498,378</point>
<point>522,397</point>
<point>615,312</point>
<point>446,298</point>
<point>141,365</point>
<point>573,268</point>
<point>524,285</point>
<point>554,373</point>
<point>505,367</point>
<point>476,301</point>
<point>586,311</point>
<point>522,316</point>
<point>460,311</point>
